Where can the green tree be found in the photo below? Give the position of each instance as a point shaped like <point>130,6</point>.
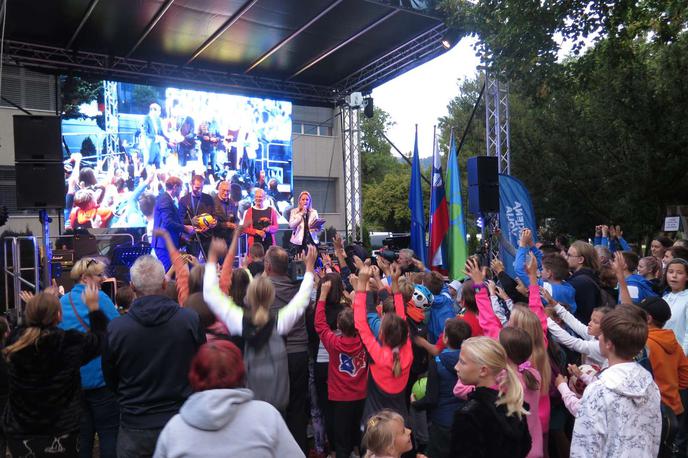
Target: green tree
<point>377,158</point>
<point>75,92</point>
<point>385,204</point>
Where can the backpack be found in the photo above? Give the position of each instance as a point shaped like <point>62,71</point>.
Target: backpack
<point>267,371</point>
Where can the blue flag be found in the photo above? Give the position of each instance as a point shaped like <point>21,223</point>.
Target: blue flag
<point>515,214</point>
<point>416,206</point>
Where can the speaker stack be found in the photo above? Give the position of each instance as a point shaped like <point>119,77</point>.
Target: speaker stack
<point>38,162</point>
<point>483,185</point>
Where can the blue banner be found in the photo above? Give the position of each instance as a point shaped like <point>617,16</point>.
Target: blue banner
<point>515,213</point>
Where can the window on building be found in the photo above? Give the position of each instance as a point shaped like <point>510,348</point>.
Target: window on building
<point>296,127</point>
<point>323,192</point>
<point>310,129</point>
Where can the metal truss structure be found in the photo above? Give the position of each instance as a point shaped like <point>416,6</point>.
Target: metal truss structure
<point>102,65</point>
<point>422,48</point>
<point>351,137</point>
<point>498,143</point>
<point>111,119</point>
<point>497,121</point>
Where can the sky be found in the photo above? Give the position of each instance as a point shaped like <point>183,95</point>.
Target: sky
<point>421,96</point>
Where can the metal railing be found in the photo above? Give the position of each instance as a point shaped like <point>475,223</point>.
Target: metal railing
<point>15,269</point>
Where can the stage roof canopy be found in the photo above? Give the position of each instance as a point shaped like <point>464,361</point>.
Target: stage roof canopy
<point>312,52</point>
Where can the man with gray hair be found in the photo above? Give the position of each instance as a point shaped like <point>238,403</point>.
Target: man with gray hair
<point>146,359</point>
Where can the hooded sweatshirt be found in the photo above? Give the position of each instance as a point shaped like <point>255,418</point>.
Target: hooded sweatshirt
<point>586,284</point>
<point>639,288</point>
<point>147,357</point>
<point>669,366</point>
<point>619,415</point>
<point>347,373</point>
<point>226,422</point>
<point>678,303</point>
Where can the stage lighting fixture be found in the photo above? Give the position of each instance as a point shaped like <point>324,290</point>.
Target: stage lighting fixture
<point>450,38</point>
<point>368,109</point>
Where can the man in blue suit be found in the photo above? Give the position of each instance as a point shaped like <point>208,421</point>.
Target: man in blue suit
<point>166,216</point>
<point>152,129</point>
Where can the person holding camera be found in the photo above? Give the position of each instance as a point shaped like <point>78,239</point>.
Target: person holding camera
<point>260,221</point>
<point>304,224</point>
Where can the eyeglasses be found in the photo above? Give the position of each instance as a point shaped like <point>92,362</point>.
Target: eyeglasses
<point>569,255</point>
<point>91,262</point>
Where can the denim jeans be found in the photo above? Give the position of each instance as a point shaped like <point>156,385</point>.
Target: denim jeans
<point>100,414</point>
<point>137,443</point>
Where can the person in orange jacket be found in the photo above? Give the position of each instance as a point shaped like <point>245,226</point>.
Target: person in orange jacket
<point>669,363</point>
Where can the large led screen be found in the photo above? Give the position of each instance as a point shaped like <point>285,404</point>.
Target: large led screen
<point>122,141</point>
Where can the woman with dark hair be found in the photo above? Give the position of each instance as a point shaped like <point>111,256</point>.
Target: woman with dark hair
<point>221,418</point>
<point>659,245</point>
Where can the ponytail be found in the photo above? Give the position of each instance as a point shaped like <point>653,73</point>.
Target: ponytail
<point>396,365</point>
<point>28,338</point>
<point>511,393</point>
<point>531,382</point>
<point>260,295</point>
<point>41,313</point>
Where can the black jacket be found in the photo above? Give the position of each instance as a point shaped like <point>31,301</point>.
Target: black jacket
<point>45,382</point>
<point>147,357</point>
<point>482,429</point>
<point>586,284</point>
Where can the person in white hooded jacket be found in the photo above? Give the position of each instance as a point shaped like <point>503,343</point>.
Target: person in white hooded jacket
<point>619,414</point>
<point>221,418</point>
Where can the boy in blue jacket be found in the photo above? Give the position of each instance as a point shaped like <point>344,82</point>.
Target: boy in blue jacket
<point>554,271</point>
<point>442,307</point>
<point>639,287</point>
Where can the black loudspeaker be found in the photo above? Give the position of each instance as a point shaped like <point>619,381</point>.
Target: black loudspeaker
<point>37,138</point>
<point>483,185</point>
<point>40,185</point>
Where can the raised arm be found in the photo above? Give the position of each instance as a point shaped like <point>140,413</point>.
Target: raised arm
<point>398,299</point>
<point>288,315</point>
<point>221,305</point>
<point>181,268</point>
<point>228,264</point>
<point>486,317</point>
<point>369,340</point>
<point>327,337</point>
<point>534,301</point>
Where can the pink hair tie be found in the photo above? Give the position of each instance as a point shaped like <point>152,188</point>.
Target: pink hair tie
<point>524,366</point>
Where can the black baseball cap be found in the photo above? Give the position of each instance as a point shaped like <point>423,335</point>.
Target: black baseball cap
<point>657,308</point>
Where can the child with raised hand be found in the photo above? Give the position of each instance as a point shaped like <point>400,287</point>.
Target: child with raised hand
<point>554,270</point>
<point>586,344</point>
<point>439,399</point>
<point>619,414</point>
<point>493,421</point>
<point>386,436</point>
<point>675,279</point>
<point>257,324</point>
<point>347,373</point>
<point>392,356</point>
<point>531,319</point>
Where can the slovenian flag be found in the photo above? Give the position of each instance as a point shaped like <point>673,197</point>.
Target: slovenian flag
<point>439,217</point>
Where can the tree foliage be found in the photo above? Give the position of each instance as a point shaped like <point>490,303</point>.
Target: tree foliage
<point>605,141</point>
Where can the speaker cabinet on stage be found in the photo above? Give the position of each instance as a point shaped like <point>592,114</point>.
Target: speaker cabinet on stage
<point>37,138</point>
<point>483,185</point>
<point>40,185</point>
<point>38,162</point>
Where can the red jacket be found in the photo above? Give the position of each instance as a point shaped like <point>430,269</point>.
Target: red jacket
<point>381,355</point>
<point>347,373</point>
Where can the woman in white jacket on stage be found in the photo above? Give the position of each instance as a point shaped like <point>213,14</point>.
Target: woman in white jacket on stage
<point>304,224</point>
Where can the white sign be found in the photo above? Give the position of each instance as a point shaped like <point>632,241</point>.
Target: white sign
<point>671,223</point>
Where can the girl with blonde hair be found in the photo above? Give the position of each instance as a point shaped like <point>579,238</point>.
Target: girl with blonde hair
<point>386,436</point>
<point>257,324</point>
<point>493,420</point>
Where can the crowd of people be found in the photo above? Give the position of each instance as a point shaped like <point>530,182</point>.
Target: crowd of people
<point>581,353</point>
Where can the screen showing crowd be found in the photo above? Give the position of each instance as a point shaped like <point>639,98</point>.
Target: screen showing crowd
<point>122,141</point>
